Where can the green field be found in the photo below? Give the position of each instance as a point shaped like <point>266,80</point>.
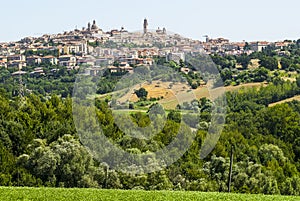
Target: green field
<point>49,194</point>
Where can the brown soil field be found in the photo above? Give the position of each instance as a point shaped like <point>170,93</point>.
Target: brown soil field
<point>175,93</point>
<point>254,63</point>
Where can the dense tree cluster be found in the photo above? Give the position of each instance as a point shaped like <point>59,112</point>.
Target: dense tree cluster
<point>235,69</point>
<point>55,80</point>
<point>39,145</point>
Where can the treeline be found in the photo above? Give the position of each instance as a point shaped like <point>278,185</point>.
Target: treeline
<point>60,80</point>
<point>39,146</point>
<point>234,70</point>
<point>55,80</point>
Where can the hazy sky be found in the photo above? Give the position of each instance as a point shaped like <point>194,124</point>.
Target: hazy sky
<point>236,20</point>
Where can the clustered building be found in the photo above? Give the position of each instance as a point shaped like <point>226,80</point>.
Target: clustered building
<point>86,47</point>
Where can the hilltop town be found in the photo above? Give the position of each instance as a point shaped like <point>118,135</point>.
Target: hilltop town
<point>74,48</point>
<point>150,100</point>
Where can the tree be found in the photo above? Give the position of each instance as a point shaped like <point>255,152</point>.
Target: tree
<point>268,62</point>
<point>247,46</point>
<point>175,116</point>
<point>269,152</point>
<point>181,63</point>
<point>226,74</point>
<point>285,63</point>
<point>261,74</point>
<point>141,93</point>
<point>64,162</point>
<point>298,81</point>
<point>244,60</point>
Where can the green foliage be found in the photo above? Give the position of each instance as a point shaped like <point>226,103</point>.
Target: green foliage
<point>244,60</point>
<point>285,63</point>
<point>39,145</point>
<point>39,153</point>
<point>63,162</point>
<point>268,62</point>
<point>298,81</point>
<point>57,80</point>
<point>141,93</point>
<point>139,195</point>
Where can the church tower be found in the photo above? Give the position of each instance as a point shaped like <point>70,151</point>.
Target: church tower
<point>89,26</point>
<point>94,26</point>
<point>145,26</point>
<point>164,30</point>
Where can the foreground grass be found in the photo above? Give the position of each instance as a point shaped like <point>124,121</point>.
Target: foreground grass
<point>60,194</point>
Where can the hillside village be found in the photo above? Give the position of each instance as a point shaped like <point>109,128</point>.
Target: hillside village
<point>46,110</point>
<point>95,47</point>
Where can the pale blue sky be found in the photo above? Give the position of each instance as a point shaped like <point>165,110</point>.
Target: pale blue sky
<point>236,20</point>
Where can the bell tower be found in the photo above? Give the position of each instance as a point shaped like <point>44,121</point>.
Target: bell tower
<point>145,26</point>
